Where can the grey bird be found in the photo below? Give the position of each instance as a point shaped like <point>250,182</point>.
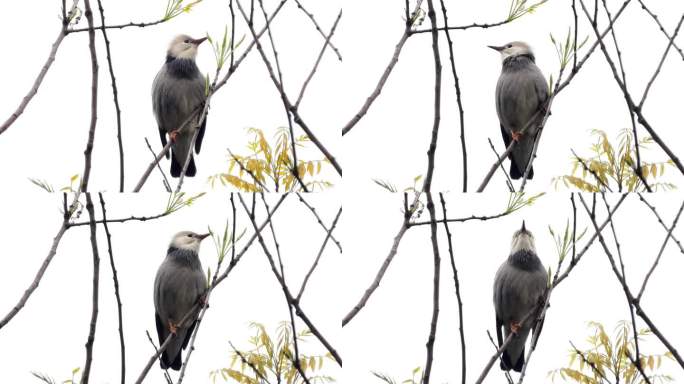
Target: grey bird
<point>519,284</point>
<point>179,285</point>
<point>520,92</point>
<point>178,89</point>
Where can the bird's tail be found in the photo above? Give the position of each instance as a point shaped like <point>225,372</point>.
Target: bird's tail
<point>506,364</point>
<point>177,168</point>
<point>517,174</point>
<point>166,362</point>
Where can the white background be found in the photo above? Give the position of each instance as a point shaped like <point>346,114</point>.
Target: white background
<point>389,334</point>
<point>49,334</point>
<point>55,124</point>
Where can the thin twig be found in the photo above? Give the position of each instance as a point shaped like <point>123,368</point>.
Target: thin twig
<point>318,28</point>
<point>457,86</point>
<point>46,262</point>
<point>509,183</point>
<point>43,71</point>
<point>116,289</point>
<point>318,257</point>
<point>250,364</point>
<point>662,223</point>
<point>660,253</point>
<point>662,29</point>
<point>458,291</point>
<point>385,74</point>
<point>167,377</point>
<point>165,181</point>
<point>115,95</point>
<point>320,222</point>
<point>592,365</point>
<point>318,59</point>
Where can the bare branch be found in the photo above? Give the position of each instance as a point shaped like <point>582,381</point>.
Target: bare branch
<point>85,377</point>
<point>318,257</point>
<point>93,99</point>
<point>385,75</point>
<point>318,28</point>
<point>115,95</point>
<point>43,71</point>
<point>116,289</point>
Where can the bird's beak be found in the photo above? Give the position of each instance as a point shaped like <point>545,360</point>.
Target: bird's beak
<point>523,226</point>
<point>202,237</point>
<point>498,49</point>
<point>198,41</point>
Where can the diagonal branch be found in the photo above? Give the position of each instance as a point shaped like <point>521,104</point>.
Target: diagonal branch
<point>93,99</point>
<point>291,108</point>
<point>43,71</point>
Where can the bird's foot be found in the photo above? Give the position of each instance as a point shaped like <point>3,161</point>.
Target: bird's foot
<point>203,301</point>
<point>173,328</point>
<point>516,136</point>
<point>173,135</point>
<point>515,327</point>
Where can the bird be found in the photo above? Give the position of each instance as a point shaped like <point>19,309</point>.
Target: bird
<point>178,286</point>
<point>177,91</point>
<point>521,92</point>
<point>519,285</point>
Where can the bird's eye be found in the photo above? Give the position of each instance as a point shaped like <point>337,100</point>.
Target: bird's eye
<point>189,235</point>
<point>509,46</point>
<point>186,42</point>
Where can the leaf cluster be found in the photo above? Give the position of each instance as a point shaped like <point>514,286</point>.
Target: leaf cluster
<point>613,167</point>
<point>176,7</point>
<point>519,8</point>
<point>608,358</point>
<point>273,359</point>
<point>268,164</point>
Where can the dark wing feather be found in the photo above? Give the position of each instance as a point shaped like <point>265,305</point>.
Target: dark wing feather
<point>162,136</point>
<point>200,135</point>
<point>189,334</point>
<point>506,139</point>
<point>499,338</point>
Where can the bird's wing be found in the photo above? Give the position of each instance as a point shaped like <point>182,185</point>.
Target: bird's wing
<point>158,107</point>
<point>161,329</point>
<point>499,324</point>
<point>507,139</point>
<point>198,95</point>
<point>200,135</point>
<point>188,334</point>
<point>540,86</point>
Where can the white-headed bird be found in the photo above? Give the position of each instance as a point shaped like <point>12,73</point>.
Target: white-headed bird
<point>177,91</point>
<point>179,285</point>
<point>519,284</point>
<point>520,93</point>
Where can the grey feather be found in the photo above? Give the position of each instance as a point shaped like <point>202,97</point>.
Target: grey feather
<point>177,288</point>
<point>519,283</point>
<point>177,90</point>
<point>520,92</point>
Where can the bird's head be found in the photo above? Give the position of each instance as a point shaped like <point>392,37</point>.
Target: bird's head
<point>515,48</point>
<point>187,240</point>
<point>523,240</point>
<point>184,47</point>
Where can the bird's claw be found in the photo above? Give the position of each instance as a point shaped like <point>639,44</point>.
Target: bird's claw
<point>516,136</point>
<point>173,328</point>
<point>173,135</point>
<point>515,327</point>
<point>203,301</point>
